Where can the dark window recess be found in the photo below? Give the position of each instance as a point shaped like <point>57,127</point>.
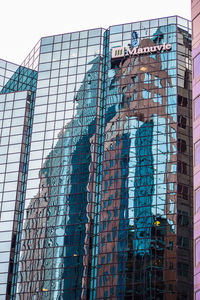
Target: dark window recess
<point>182,297</point>
<point>171,266</point>
<point>182,167</point>
<point>182,122</point>
<point>186,79</point>
<point>171,288</point>
<point>183,218</point>
<point>181,145</point>
<point>183,191</point>
<point>183,269</point>
<point>170,246</point>
<point>182,101</point>
<point>183,242</point>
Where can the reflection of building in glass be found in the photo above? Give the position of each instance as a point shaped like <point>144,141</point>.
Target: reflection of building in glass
<point>17,106</point>
<point>196,141</point>
<point>105,208</point>
<point>137,231</point>
<point>51,209</point>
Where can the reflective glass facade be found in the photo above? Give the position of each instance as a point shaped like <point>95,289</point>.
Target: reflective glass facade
<point>196,139</point>
<point>7,69</point>
<point>105,208</point>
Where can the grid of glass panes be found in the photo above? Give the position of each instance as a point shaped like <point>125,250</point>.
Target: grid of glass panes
<point>12,116</point>
<point>87,224</point>
<point>64,118</point>
<point>7,69</point>
<point>185,159</point>
<point>32,60</point>
<point>139,180</point>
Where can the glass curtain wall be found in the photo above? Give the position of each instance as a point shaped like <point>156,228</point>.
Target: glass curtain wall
<point>108,206</point>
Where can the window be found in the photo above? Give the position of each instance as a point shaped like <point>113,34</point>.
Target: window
<point>197,251</point>
<point>171,245</point>
<point>197,153</point>
<point>182,101</point>
<point>196,66</point>
<point>171,266</point>
<point>183,242</point>
<point>182,122</point>
<point>183,269</point>
<point>183,191</point>
<point>181,145</point>
<point>197,199</point>
<point>171,288</point>
<point>197,107</point>
<point>183,218</point>
<point>182,296</point>
<point>195,28</point>
<point>182,167</point>
<point>197,297</point>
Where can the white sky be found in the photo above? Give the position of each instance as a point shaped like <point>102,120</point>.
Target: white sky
<point>24,22</point>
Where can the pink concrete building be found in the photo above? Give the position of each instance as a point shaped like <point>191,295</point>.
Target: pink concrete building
<point>196,139</point>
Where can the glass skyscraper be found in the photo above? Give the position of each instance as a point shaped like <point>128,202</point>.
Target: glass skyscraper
<point>96,169</point>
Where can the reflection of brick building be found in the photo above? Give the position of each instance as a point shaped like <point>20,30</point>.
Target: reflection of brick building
<point>33,246</point>
<point>108,217</point>
<point>37,238</point>
<point>121,259</point>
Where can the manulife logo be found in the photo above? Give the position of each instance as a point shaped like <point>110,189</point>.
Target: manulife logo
<point>122,51</point>
<point>119,52</point>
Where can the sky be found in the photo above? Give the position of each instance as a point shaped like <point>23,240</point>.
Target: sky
<point>23,23</point>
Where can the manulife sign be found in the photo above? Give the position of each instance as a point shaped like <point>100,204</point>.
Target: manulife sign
<point>120,52</point>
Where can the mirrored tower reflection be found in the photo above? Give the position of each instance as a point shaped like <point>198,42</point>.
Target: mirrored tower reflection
<point>101,202</point>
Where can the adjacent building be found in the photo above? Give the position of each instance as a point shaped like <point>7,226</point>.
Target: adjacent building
<point>196,140</point>
<point>97,183</point>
